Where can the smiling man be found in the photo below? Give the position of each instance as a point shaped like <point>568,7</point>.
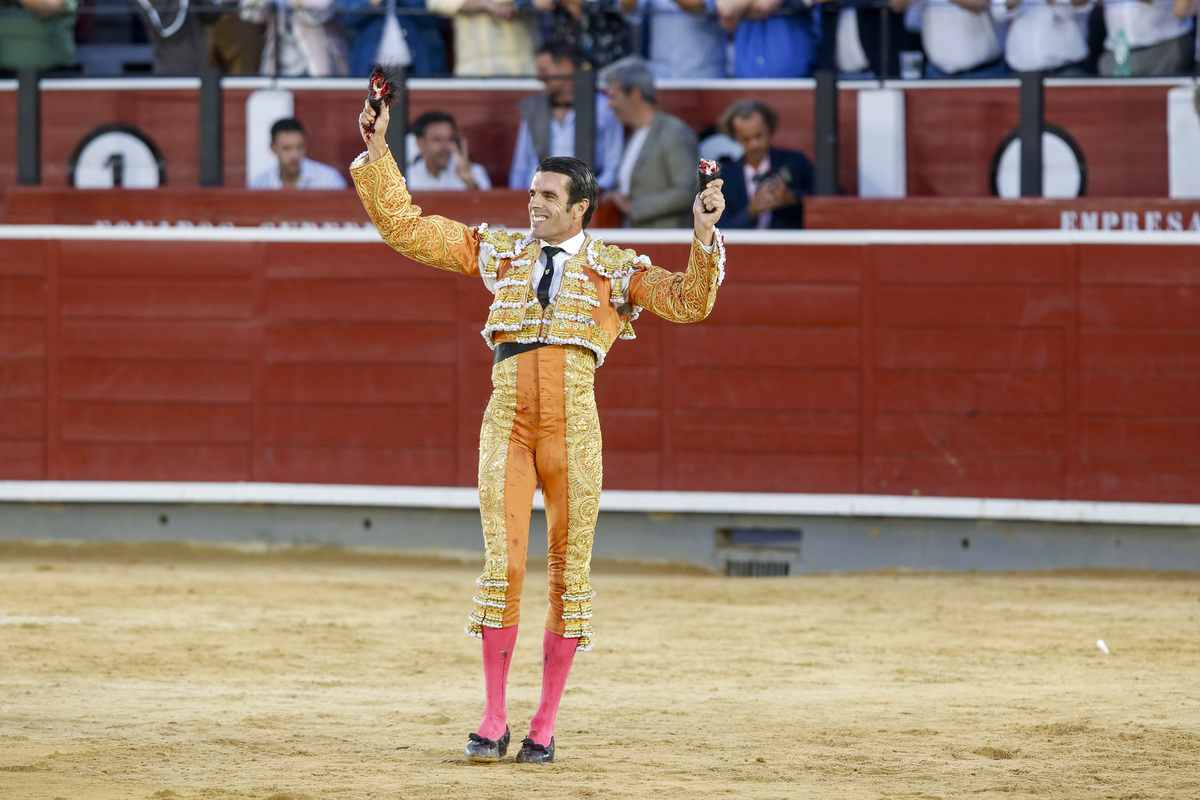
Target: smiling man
<point>560,300</point>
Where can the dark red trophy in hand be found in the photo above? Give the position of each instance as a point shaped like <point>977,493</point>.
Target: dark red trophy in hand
<point>708,172</point>
<point>383,87</point>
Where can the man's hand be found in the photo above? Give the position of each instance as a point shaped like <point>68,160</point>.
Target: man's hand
<point>45,9</point>
<point>772,194</point>
<point>710,198</point>
<point>462,163</point>
<point>376,142</point>
<point>621,201</point>
<point>730,13</point>
<point>502,11</point>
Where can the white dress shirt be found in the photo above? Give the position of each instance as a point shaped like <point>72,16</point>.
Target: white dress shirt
<point>569,249</point>
<point>957,40</point>
<point>419,177</point>
<point>313,175</point>
<point>633,149</point>
<point>753,177</point>
<point>1042,35</point>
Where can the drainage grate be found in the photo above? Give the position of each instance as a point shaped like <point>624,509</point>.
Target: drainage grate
<point>752,568</point>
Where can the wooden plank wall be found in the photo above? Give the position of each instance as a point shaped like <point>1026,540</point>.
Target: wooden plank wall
<point>1066,371</point>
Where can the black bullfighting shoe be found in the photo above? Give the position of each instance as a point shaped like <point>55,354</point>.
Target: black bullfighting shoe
<point>533,753</point>
<point>487,750</point>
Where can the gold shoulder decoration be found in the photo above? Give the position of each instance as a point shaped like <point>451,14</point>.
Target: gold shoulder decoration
<point>498,245</point>
<point>611,261</point>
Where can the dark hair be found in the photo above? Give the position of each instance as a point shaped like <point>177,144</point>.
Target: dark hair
<point>581,181</point>
<point>432,118</point>
<point>286,125</point>
<point>744,109</point>
<point>558,50</point>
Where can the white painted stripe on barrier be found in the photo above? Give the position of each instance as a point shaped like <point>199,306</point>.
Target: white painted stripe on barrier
<point>117,84</point>
<point>725,503</point>
<point>302,494</point>
<point>334,233</point>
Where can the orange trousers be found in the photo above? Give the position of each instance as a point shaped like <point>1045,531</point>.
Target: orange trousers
<point>540,425</point>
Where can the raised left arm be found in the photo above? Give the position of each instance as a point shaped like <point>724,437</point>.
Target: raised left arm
<point>688,296</point>
<point>682,296</point>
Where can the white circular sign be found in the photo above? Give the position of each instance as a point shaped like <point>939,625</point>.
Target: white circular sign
<point>117,158</point>
<point>1062,174</point>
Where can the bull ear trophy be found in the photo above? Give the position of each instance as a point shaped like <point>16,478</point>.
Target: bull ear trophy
<point>706,173</point>
<point>382,87</point>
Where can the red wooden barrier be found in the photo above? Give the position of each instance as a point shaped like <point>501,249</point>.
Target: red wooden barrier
<point>977,213</point>
<point>42,205</point>
<point>1064,370</point>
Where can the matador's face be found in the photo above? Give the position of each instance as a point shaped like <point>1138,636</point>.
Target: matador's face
<point>551,219</point>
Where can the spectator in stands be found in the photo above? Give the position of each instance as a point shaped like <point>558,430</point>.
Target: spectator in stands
<point>295,171</point>
<point>303,37</point>
<point>491,39</point>
<point>961,39</point>
<point>444,163</point>
<point>607,36</point>
<point>656,180</point>
<point>38,34</point>
<point>771,38</point>
<point>860,24</point>
<point>762,188</point>
<point>1048,36</point>
<point>1148,38</point>
<point>686,39</point>
<point>421,45</point>
<point>234,45</point>
<point>548,123</point>
<point>179,33</point>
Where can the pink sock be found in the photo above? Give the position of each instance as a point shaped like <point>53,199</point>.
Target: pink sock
<point>498,646</point>
<point>557,654</point>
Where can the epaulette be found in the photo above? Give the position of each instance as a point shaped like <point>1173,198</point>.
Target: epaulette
<point>612,261</point>
<point>500,244</point>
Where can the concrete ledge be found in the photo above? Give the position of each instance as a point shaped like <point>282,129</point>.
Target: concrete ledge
<point>452,497</point>
<point>764,534</point>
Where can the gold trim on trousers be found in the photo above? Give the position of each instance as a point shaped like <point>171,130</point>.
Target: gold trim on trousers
<point>540,425</point>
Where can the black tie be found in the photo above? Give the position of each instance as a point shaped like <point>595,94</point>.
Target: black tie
<point>543,290</point>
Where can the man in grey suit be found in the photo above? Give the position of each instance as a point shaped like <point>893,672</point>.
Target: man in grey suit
<point>656,182</point>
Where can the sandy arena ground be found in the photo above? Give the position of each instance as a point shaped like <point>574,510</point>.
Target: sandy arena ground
<point>159,671</point>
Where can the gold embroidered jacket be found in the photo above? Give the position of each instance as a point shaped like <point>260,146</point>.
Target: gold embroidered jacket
<point>584,311</point>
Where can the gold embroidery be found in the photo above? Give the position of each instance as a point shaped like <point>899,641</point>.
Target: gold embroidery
<point>585,474</point>
<point>680,297</point>
<point>436,241</point>
<point>493,457</point>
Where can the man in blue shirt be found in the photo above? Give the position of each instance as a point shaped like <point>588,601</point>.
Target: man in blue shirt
<point>548,123</point>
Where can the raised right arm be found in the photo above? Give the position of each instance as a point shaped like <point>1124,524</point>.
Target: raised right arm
<point>436,241</point>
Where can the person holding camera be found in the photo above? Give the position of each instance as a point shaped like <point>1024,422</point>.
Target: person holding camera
<point>762,188</point>
<point>444,163</point>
